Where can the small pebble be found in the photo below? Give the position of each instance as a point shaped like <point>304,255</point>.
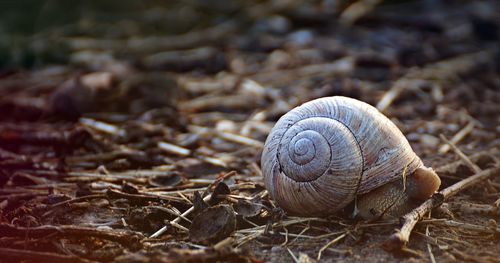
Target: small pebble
<point>301,38</point>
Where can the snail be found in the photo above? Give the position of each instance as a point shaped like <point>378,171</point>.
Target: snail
<point>334,151</point>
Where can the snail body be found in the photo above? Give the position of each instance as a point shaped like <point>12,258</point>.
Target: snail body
<point>322,155</point>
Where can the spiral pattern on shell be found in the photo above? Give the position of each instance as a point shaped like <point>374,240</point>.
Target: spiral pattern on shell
<point>322,154</point>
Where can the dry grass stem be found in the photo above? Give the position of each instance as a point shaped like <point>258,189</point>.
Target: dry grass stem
<point>295,259</point>
<point>452,167</point>
<point>174,149</point>
<point>102,126</point>
<point>329,244</point>
<point>457,137</point>
<point>429,248</point>
<point>466,226</point>
<point>462,156</point>
<point>357,10</point>
<point>441,71</point>
<point>175,221</point>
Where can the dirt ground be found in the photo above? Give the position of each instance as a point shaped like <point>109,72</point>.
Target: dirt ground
<point>120,119</point>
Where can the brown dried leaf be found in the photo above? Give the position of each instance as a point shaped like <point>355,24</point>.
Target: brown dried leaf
<point>247,209</point>
<point>214,224</point>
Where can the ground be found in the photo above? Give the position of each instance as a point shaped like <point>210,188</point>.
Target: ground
<point>118,117</point>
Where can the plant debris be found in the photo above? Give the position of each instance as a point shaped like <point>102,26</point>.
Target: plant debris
<point>213,224</point>
<point>132,132</point>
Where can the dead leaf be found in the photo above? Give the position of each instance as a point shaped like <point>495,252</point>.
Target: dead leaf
<point>214,224</point>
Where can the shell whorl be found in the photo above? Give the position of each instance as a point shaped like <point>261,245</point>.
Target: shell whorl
<point>322,154</point>
<point>310,148</point>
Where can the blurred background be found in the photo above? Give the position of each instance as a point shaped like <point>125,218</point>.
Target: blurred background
<point>54,31</point>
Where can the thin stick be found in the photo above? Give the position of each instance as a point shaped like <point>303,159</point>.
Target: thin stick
<point>124,237</point>
<point>224,243</point>
<point>102,127</point>
<point>397,88</point>
<point>174,149</point>
<point>329,244</point>
<point>429,248</point>
<point>300,234</point>
<point>286,237</point>
<point>444,70</point>
<point>240,139</point>
<point>467,161</point>
<point>457,137</point>
<point>295,259</point>
<point>460,154</point>
<point>181,227</point>
<point>357,10</point>
<point>36,256</point>
<point>171,211</point>
<point>471,208</point>
<point>470,181</point>
<point>259,230</point>
<point>176,220</point>
<point>493,153</point>
<point>78,199</point>
<point>399,239</point>
<point>467,226</point>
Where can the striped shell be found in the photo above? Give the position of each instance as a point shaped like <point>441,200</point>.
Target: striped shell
<point>322,154</point>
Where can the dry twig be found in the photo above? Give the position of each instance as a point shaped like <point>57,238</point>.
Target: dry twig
<point>36,256</point>
<point>443,70</point>
<point>124,237</point>
<point>458,137</point>
<point>399,239</point>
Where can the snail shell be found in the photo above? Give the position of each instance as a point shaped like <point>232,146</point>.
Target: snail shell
<point>323,154</point>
